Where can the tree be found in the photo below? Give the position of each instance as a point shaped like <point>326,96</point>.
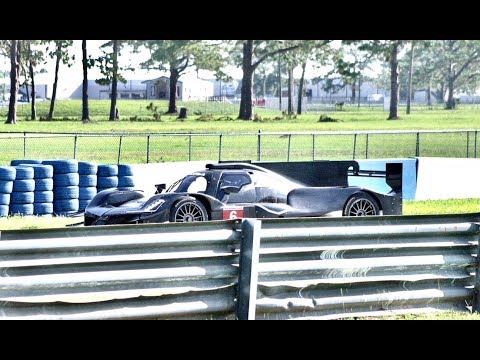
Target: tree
<point>85,65</point>
<point>387,50</point>
<point>110,69</point>
<point>60,54</point>
<point>410,76</point>
<point>252,54</point>
<point>32,57</point>
<point>13,47</point>
<point>177,56</point>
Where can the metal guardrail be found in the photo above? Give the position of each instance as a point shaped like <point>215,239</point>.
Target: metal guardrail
<point>260,146</point>
<point>317,268</point>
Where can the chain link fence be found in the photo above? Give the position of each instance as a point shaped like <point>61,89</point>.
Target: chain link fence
<point>166,147</point>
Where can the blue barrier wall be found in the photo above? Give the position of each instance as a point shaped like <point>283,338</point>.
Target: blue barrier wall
<point>409,178</point>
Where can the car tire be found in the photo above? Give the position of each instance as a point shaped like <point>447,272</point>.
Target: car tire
<point>188,210</point>
<point>361,204</point>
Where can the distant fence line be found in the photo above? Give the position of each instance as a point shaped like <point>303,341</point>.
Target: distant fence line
<point>318,268</point>
<point>261,146</point>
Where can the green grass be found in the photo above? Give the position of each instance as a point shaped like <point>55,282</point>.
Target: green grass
<point>239,139</point>
<point>443,315</point>
<point>18,222</point>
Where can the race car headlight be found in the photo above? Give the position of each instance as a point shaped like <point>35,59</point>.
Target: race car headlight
<point>154,205</point>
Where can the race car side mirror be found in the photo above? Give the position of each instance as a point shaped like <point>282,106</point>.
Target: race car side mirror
<point>230,189</point>
<point>160,188</point>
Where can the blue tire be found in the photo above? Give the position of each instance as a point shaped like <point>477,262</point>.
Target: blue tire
<point>65,193</point>
<point>22,209</point>
<point>42,208</point>
<point>87,193</point>
<point>24,172</point>
<point>6,187</point>
<point>71,179</point>
<point>104,188</point>
<point>125,170</point>
<point>4,210</point>
<point>107,170</point>
<point>87,168</point>
<point>43,196</point>
<point>24,185</point>
<point>44,184</point>
<point>107,181</point>
<point>87,180</point>
<point>24,161</point>
<point>65,206</point>
<point>126,181</point>
<point>5,198</point>
<point>82,204</point>
<point>25,197</point>
<point>62,166</point>
<point>7,173</point>
<point>41,171</point>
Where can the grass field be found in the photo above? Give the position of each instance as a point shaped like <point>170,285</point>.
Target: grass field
<point>239,140</point>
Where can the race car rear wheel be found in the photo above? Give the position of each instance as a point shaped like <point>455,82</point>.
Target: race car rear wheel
<point>361,204</point>
<point>188,210</point>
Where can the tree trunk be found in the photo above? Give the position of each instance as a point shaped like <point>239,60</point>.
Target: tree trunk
<point>55,82</point>
<point>14,70</point>
<point>26,89</point>
<point>264,87</point>
<point>359,89</point>
<point>354,95</point>
<point>451,84</point>
<point>279,83</point>
<point>394,84</point>
<point>429,96</point>
<point>113,101</point>
<point>300,89</point>
<point>172,102</point>
<point>34,94</point>
<point>410,77</point>
<point>85,114</point>
<point>290,90</point>
<point>246,108</point>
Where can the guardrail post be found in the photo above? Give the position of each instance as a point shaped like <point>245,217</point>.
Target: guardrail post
<point>248,269</point>
<point>476,291</point>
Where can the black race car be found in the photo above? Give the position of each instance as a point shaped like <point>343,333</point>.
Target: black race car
<point>238,190</point>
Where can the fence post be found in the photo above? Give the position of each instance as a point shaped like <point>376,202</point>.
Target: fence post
<point>220,147</point>
<point>248,269</point>
<point>120,149</point>
<point>354,145</point>
<point>189,147</point>
<point>75,146</point>
<point>475,147</point>
<point>24,144</point>
<point>366,147</point>
<point>417,146</point>
<point>468,143</point>
<point>259,145</point>
<point>313,147</point>
<point>148,149</point>
<point>289,146</point>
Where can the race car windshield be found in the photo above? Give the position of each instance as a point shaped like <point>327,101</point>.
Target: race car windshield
<point>191,183</point>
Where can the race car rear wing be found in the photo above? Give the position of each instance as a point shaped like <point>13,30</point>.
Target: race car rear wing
<point>392,174</point>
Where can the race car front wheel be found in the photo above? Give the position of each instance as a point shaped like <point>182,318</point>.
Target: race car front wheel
<point>188,210</point>
<point>361,204</point>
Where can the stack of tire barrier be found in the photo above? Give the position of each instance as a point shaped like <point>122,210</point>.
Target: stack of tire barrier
<point>7,176</point>
<point>43,194</point>
<point>87,172</point>
<point>107,177</point>
<point>22,196</point>
<point>24,161</point>
<point>65,186</point>
<point>126,179</point>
